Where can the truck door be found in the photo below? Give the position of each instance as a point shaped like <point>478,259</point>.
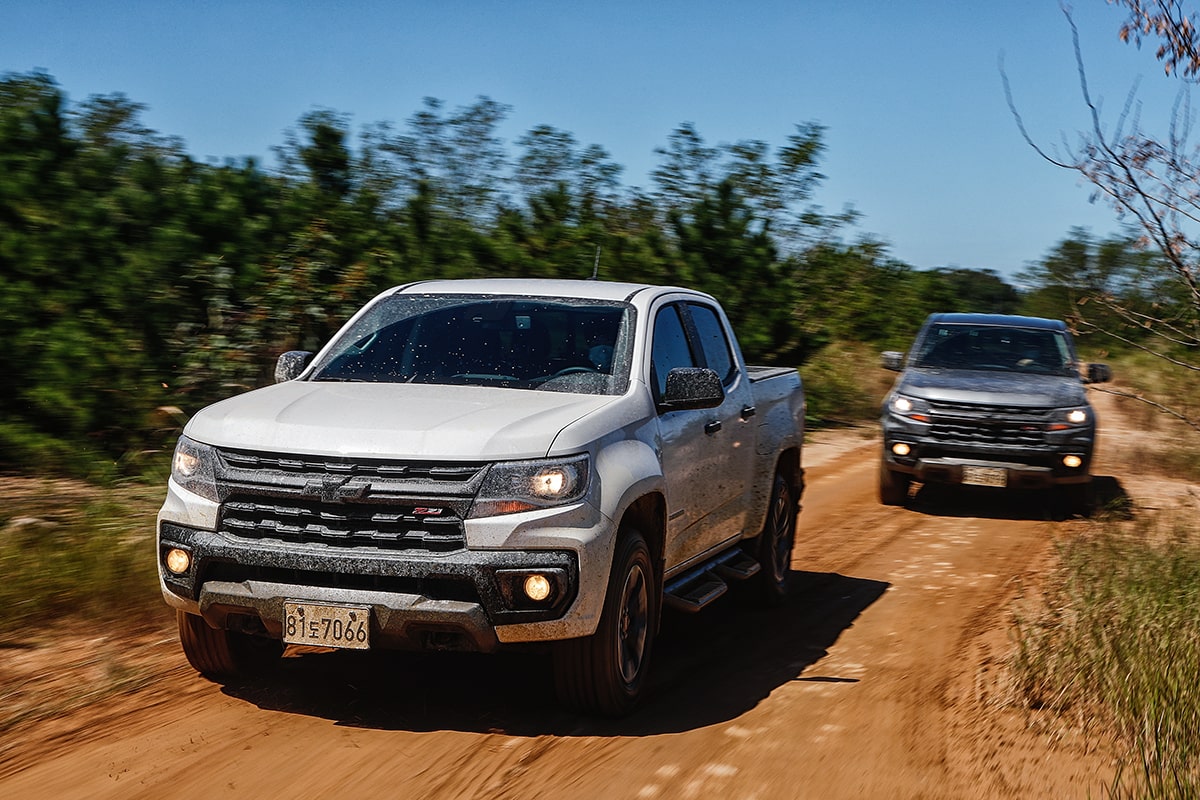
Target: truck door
<point>701,448</point>
<point>734,443</point>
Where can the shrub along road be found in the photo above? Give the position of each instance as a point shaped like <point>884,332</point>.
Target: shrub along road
<point>883,676</point>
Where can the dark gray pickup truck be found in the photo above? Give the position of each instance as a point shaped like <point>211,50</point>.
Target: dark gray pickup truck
<point>989,400</point>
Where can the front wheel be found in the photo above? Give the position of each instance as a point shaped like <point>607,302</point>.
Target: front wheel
<point>893,486</point>
<point>225,655</point>
<point>605,673</point>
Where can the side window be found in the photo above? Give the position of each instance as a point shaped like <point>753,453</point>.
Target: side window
<point>713,341</point>
<point>670,348</point>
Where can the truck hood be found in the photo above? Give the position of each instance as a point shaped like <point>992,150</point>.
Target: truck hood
<point>388,420</point>
<point>988,387</point>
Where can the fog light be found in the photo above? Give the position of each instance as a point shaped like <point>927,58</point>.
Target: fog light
<point>901,449</point>
<point>178,561</point>
<point>1072,461</point>
<point>537,588</point>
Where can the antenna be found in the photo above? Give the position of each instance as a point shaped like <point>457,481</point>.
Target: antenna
<point>596,265</point>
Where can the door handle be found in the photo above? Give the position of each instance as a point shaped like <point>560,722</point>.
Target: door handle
<point>712,427</point>
<point>748,412</point>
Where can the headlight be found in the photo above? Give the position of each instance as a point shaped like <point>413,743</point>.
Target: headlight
<point>513,486</point>
<point>1069,418</point>
<point>193,468</point>
<point>911,407</point>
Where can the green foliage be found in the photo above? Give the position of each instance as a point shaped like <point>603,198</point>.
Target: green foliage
<point>133,278</point>
<point>842,384</point>
<point>1113,291</point>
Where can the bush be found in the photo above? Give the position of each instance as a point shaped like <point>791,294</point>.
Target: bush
<point>843,384</point>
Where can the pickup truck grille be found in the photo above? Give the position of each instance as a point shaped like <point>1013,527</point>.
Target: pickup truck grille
<point>346,503</point>
<point>343,524</point>
<point>963,424</point>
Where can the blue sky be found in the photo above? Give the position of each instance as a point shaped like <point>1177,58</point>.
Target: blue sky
<point>919,138</point>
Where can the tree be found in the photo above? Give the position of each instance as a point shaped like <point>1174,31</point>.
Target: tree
<point>1153,182</point>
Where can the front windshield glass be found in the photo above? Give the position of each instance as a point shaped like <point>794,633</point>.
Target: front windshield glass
<point>543,343</point>
<point>991,347</point>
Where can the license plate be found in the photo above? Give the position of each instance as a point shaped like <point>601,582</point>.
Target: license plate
<point>327,626</point>
<point>984,476</point>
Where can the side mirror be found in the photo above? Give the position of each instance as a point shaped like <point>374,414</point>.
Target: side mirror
<point>893,360</point>
<point>290,364</point>
<point>692,387</point>
<point>1098,373</point>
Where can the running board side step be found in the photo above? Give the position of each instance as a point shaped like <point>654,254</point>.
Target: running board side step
<point>700,586</point>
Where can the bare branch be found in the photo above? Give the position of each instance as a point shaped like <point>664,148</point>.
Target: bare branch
<point>1143,399</point>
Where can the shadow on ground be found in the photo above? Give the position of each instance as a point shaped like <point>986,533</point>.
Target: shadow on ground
<point>1104,497</point>
<point>709,667</point>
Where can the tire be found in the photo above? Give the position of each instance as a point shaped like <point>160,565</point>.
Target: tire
<point>605,673</point>
<point>773,550</point>
<point>225,655</point>
<point>893,486</point>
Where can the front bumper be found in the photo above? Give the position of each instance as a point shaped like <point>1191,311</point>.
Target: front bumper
<point>1017,475</point>
<point>937,460</point>
<point>464,600</point>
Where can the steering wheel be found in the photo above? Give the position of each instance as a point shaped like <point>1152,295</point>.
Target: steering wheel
<point>576,370</point>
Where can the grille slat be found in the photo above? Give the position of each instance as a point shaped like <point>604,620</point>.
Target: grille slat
<point>987,425</point>
<point>344,503</point>
<point>365,468</point>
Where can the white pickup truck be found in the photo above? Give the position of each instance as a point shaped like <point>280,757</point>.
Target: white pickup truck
<point>470,465</point>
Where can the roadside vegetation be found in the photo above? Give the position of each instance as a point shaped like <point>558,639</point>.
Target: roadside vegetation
<point>1111,645</point>
<point>843,385</point>
<point>1116,645</point>
<point>73,552</point>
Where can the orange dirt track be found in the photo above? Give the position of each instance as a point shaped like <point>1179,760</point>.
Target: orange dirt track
<point>882,677</point>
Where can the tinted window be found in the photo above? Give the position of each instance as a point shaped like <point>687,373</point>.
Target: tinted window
<point>994,347</point>
<point>713,341</point>
<point>670,348</point>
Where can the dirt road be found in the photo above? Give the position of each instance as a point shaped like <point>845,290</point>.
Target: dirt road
<point>877,679</point>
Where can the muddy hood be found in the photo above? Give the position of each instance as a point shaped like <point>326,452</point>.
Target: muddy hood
<point>988,387</point>
<point>379,420</point>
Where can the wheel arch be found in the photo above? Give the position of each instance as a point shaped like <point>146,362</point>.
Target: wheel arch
<point>648,515</point>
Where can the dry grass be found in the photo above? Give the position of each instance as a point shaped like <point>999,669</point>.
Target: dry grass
<point>69,549</point>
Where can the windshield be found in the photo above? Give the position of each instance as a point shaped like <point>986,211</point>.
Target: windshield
<point>992,347</point>
<point>548,344</point>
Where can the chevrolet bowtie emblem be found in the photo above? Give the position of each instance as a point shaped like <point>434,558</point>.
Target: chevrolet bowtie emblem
<point>336,489</point>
